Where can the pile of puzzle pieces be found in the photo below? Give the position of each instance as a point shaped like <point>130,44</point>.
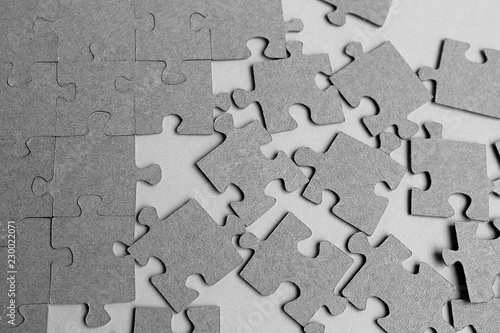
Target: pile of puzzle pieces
<point>80,79</point>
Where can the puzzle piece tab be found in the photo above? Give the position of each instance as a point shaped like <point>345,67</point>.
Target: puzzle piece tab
<point>372,11</point>
<point>482,316</point>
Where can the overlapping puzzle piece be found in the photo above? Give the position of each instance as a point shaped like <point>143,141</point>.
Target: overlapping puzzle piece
<point>384,76</point>
<point>187,242</point>
<point>277,260</point>
<point>239,161</point>
<point>351,169</point>
<point>279,84</point>
<point>372,11</point>
<point>482,316</point>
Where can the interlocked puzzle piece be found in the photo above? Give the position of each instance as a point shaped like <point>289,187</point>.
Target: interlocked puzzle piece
<point>233,23</point>
<point>415,301</point>
<point>187,242</point>
<point>372,11</point>
<point>282,83</point>
<point>351,169</point>
<point>172,40</point>
<point>95,164</point>
<point>463,84</point>
<point>96,276</point>
<point>454,167</point>
<point>18,43</point>
<point>35,317</point>
<point>30,110</point>
<point>239,161</point>
<point>480,260</point>
<point>192,100</point>
<point>25,272</point>
<point>96,91</point>
<point>79,23</point>
<point>384,76</point>
<point>482,316</point>
<point>277,260</point>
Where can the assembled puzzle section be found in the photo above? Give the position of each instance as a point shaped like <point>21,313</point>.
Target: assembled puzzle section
<point>239,161</point>
<point>351,169</point>
<point>482,316</point>
<point>372,11</point>
<point>279,84</point>
<point>187,242</point>
<point>277,260</point>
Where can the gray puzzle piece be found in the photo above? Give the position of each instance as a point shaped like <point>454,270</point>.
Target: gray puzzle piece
<point>282,83</point>
<point>351,169</point>
<point>233,23</point>
<point>454,167</point>
<point>372,11</point>
<point>172,40</point>
<point>314,328</point>
<point>96,277</point>
<point>35,318</point>
<point>384,76</point>
<point>192,100</point>
<point>482,316</point>
<point>463,84</point>
<point>480,260</point>
<point>30,110</point>
<point>95,86</point>
<point>277,260</point>
<point>187,242</point>
<point>239,161</point>
<point>83,167</point>
<point>415,301</point>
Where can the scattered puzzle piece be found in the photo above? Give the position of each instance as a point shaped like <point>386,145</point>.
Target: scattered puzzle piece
<point>372,11</point>
<point>384,76</point>
<point>96,276</point>
<point>239,161</point>
<point>279,84</point>
<point>351,169</point>
<point>278,260</point>
<point>187,242</point>
<point>95,164</point>
<point>482,316</point>
<point>454,167</point>
<point>35,319</point>
<point>463,84</point>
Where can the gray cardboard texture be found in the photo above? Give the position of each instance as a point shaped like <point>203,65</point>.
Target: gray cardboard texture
<point>277,260</point>
<point>480,260</point>
<point>384,76</point>
<point>192,100</point>
<point>239,161</point>
<point>35,318</point>
<point>205,319</point>
<point>95,164</point>
<point>96,277</point>
<point>454,167</point>
<point>95,91</point>
<point>351,169</point>
<point>463,84</point>
<point>415,301</point>
<point>279,84</point>
<point>30,110</point>
<point>482,316</point>
<point>233,23</point>
<point>372,11</point>
<point>187,242</point>
<point>314,328</point>
<point>18,43</point>
<point>171,39</point>
<point>30,267</point>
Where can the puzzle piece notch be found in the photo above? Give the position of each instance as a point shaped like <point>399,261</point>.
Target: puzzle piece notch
<point>279,84</point>
<point>482,316</point>
<point>34,319</point>
<point>375,12</point>
<point>239,161</point>
<point>315,277</point>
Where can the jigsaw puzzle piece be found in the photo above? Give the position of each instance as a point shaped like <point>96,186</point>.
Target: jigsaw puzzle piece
<point>35,318</point>
<point>384,76</point>
<point>454,167</point>
<point>482,316</point>
<point>463,84</point>
<point>279,84</point>
<point>277,260</point>
<point>82,167</point>
<point>172,40</point>
<point>372,11</point>
<point>187,242</point>
<point>205,319</point>
<point>97,276</point>
<point>314,328</point>
<point>351,169</point>
<point>239,161</point>
<point>191,100</point>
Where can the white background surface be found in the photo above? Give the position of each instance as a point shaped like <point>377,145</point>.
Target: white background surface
<point>416,28</point>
